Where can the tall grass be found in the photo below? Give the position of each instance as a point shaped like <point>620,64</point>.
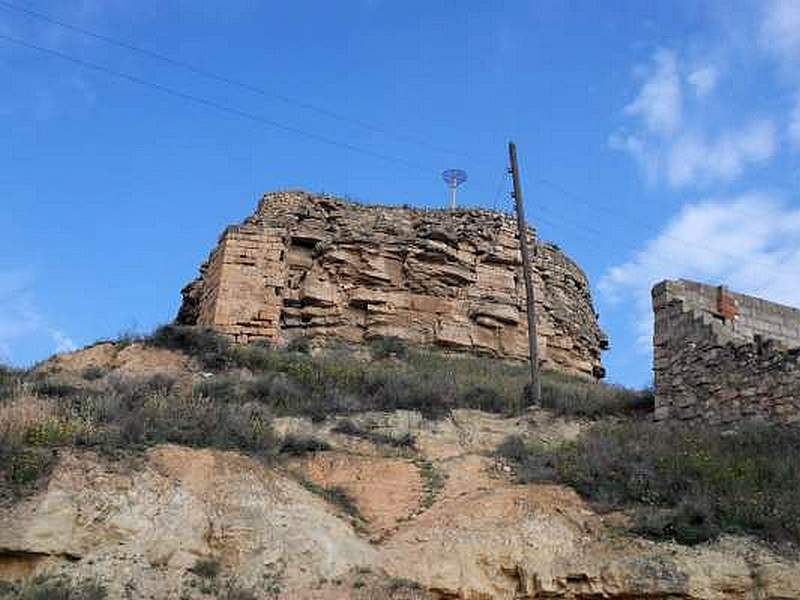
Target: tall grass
<point>295,382</point>
<point>687,484</point>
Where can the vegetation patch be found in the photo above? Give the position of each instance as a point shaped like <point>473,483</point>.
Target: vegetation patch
<point>295,383</point>
<point>50,587</point>
<point>207,568</point>
<point>433,481</point>
<point>687,484</point>
<point>347,427</point>
<point>337,496</point>
<point>567,395</point>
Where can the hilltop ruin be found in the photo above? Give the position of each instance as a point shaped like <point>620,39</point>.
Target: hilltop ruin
<point>722,357</point>
<point>319,266</point>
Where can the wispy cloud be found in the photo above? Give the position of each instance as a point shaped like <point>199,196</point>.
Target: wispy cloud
<point>666,134</point>
<point>694,159</point>
<point>659,101</point>
<point>20,318</point>
<point>703,80</point>
<point>751,243</point>
<point>780,29</point>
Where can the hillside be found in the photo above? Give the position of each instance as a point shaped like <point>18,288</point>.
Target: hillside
<point>181,466</point>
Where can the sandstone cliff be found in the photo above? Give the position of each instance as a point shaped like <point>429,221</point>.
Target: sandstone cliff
<point>321,266</point>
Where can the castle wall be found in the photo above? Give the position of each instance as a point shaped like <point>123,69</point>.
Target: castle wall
<point>722,357</point>
<point>320,266</point>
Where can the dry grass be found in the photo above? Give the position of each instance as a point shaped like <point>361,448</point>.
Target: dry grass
<point>690,484</point>
<point>22,413</point>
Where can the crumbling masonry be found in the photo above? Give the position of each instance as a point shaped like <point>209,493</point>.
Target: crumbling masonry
<point>320,266</point>
<point>722,357</point>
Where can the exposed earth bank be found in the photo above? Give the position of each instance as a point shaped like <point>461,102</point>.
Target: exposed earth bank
<point>442,520</point>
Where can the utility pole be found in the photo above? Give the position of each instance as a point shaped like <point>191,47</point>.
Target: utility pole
<point>535,391</point>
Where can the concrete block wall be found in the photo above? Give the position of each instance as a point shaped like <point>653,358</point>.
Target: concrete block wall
<point>722,357</point>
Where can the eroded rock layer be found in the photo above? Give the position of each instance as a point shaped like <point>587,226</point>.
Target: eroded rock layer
<point>320,266</point>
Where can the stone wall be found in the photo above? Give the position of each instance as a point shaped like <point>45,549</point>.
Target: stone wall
<point>314,265</point>
<point>722,357</point>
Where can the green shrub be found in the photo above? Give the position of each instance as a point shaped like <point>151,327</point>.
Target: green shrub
<point>574,396</point>
<point>335,495</point>
<point>55,389</point>
<point>347,427</point>
<point>44,587</point>
<point>688,484</point>
<point>212,350</point>
<point>297,445</point>
<point>93,373</point>
<point>207,568</point>
<point>301,345</point>
<point>10,380</point>
<point>223,389</point>
<point>388,347</point>
<point>25,466</point>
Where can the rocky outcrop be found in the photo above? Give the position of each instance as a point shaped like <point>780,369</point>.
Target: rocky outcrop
<point>324,267</point>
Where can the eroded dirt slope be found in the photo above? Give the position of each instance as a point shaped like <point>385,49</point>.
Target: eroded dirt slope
<point>444,514</point>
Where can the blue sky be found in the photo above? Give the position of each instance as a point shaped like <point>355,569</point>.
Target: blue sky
<point>657,140</point>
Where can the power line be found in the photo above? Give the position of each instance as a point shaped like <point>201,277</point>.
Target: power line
<point>211,75</point>
<point>275,124</point>
<point>638,223</point>
<point>216,105</point>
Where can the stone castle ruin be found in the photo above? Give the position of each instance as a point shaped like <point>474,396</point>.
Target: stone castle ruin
<point>722,357</point>
<point>319,266</point>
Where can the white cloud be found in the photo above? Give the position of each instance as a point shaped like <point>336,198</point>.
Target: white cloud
<point>668,135</point>
<point>704,80</point>
<point>780,28</point>
<point>62,342</point>
<point>751,243</point>
<point>692,158</point>
<point>659,102</point>
<point>20,318</point>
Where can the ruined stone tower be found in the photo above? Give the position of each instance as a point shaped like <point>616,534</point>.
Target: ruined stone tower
<point>316,265</point>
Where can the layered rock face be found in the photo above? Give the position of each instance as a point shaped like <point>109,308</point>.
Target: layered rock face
<point>320,266</point>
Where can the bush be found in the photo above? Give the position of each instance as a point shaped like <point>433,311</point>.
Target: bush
<point>687,484</point>
<point>45,587</point>
<point>296,445</point>
<point>388,347</point>
<point>349,428</point>
<point>335,495</point>
<point>301,345</point>
<point>567,395</point>
<point>93,373</point>
<point>10,380</point>
<point>207,568</point>
<point>212,350</point>
<point>55,389</point>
